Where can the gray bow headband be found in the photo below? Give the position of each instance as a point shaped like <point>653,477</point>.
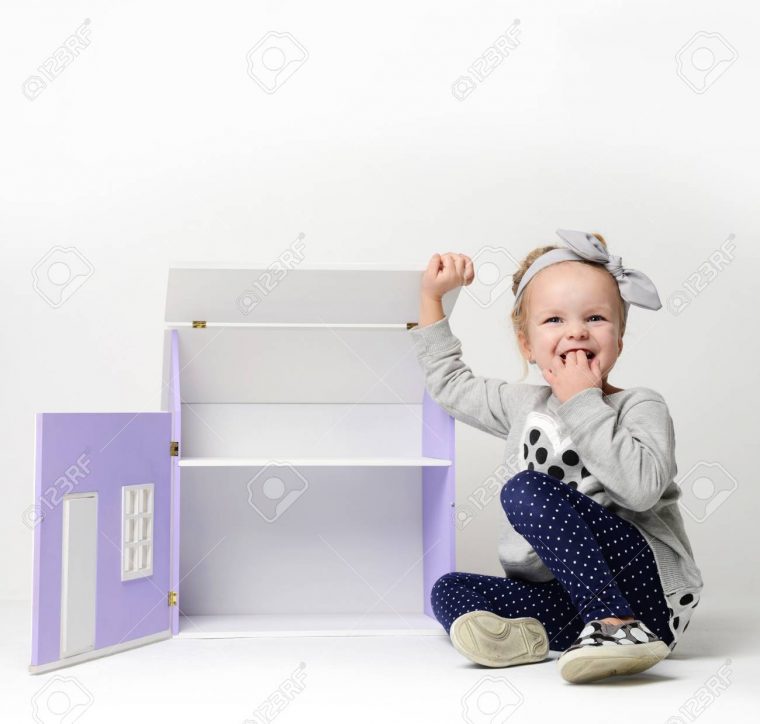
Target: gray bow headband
<point>635,287</point>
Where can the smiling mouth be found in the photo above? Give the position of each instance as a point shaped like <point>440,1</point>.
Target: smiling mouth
<point>589,355</point>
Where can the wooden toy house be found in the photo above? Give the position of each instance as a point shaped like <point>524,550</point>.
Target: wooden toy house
<point>298,479</point>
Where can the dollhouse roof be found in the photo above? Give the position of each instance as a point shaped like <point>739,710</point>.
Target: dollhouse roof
<point>328,294</point>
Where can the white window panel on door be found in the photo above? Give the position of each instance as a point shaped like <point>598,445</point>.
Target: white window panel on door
<point>137,531</point>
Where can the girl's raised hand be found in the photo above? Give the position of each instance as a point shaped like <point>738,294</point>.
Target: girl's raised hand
<point>445,272</point>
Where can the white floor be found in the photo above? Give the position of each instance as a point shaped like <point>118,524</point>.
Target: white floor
<point>713,674</point>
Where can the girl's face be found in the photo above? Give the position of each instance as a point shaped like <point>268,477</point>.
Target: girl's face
<point>572,306</point>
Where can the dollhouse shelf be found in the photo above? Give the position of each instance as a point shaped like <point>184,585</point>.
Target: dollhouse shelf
<point>313,462</point>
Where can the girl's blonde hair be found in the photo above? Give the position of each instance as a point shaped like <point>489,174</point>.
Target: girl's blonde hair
<point>520,310</point>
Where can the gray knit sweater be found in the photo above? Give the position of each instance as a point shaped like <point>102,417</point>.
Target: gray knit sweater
<point>618,449</point>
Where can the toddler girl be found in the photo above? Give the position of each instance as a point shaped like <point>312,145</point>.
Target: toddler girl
<point>597,561</point>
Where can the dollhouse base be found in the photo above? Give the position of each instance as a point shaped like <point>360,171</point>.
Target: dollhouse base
<point>323,624</point>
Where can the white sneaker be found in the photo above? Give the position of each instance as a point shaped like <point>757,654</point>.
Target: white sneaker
<point>608,649</point>
<point>490,640</point>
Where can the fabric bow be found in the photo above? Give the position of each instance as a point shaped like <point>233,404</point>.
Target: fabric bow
<point>635,286</point>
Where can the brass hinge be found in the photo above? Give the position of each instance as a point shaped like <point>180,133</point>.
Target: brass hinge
<point>174,448</point>
<point>409,325</point>
<point>199,324</point>
<point>172,598</point>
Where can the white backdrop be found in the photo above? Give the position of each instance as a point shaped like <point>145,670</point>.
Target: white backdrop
<point>144,139</point>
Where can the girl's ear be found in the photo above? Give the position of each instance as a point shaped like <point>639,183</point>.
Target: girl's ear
<point>524,346</point>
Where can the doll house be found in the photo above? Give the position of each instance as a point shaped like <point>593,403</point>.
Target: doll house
<point>297,479</point>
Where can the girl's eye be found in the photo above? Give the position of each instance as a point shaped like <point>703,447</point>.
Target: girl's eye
<point>593,315</point>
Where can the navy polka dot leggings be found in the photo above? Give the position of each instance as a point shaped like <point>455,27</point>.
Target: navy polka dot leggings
<point>602,566</point>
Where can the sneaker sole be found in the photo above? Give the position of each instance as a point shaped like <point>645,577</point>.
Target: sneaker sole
<point>491,640</point>
<point>598,662</point>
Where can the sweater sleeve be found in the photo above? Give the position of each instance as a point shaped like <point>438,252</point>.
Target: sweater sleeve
<point>633,457</point>
<point>481,402</point>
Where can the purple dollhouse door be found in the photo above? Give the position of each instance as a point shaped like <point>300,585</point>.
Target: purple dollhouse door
<point>102,519</point>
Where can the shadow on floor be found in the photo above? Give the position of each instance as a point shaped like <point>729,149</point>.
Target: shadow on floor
<point>714,634</point>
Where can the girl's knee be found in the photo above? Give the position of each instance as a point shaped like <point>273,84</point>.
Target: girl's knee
<point>444,579</point>
<point>447,580</point>
<point>440,593</point>
<point>515,487</point>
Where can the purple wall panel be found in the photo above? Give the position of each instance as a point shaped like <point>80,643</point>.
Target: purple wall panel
<point>38,590</point>
<point>438,496</point>
<point>175,401</point>
<point>113,449</point>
